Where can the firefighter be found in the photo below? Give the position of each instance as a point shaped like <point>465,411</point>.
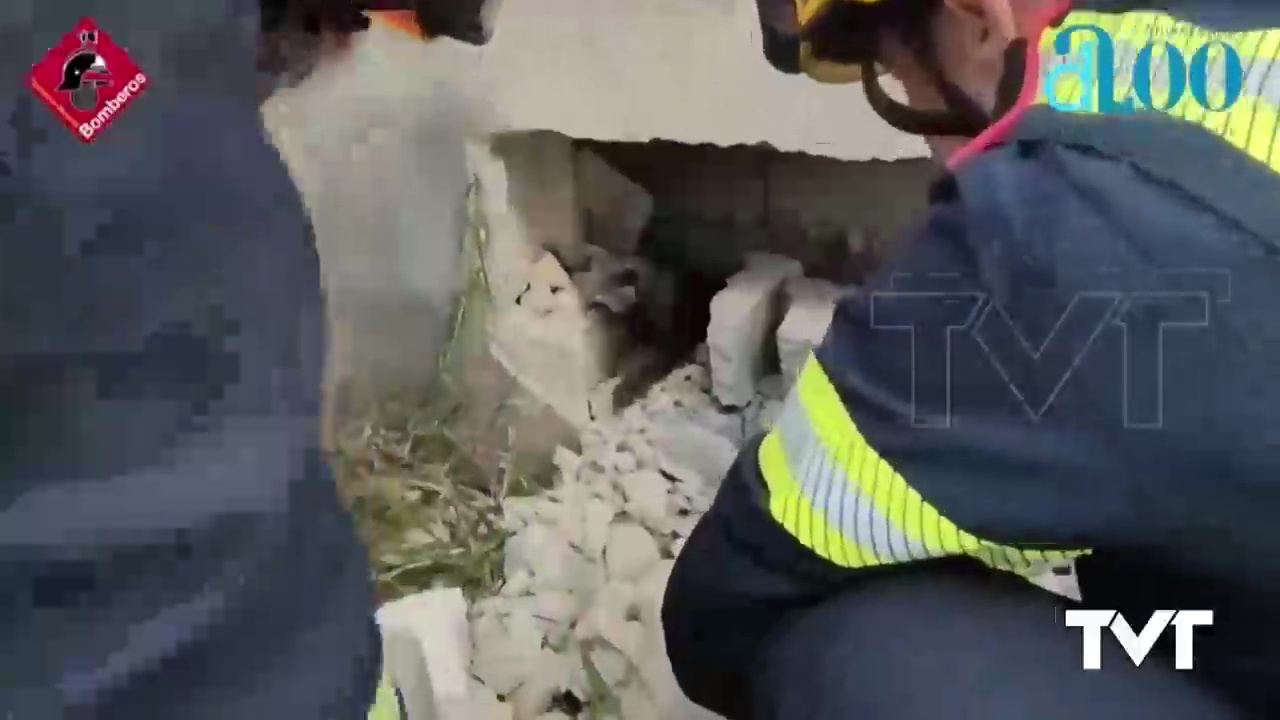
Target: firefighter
<point>171,542</point>
<point>1071,359</point>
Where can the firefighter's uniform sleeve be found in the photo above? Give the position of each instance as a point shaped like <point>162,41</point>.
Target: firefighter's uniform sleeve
<point>951,415</point>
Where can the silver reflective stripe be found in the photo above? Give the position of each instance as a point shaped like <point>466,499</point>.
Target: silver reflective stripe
<point>829,491</point>
<point>847,504</point>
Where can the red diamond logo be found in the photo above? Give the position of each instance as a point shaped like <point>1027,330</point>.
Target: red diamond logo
<point>87,80</point>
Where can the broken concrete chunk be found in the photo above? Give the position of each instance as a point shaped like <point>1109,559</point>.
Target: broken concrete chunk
<point>650,590</point>
<point>567,462</point>
<point>594,474</point>
<point>648,496</point>
<point>481,693</point>
<point>638,444</point>
<point>473,710</point>
<point>627,638</point>
<point>548,555</point>
<point>810,305</point>
<point>548,676</point>
<point>698,377</point>
<point>600,399</point>
<point>743,318</point>
<point>517,585</point>
<point>773,387</point>
<point>774,264</point>
<point>685,443</point>
<point>548,283</point>
<point>612,665</point>
<point>623,462</point>
<point>433,625</point>
<point>558,358</point>
<point>696,406</point>
<point>597,515</point>
<point>503,655</point>
<point>616,208</point>
<point>637,702</point>
<point>558,608</point>
<point>630,552</point>
<point>552,345</point>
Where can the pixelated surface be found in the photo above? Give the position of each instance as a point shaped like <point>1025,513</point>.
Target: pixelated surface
<point>171,544</point>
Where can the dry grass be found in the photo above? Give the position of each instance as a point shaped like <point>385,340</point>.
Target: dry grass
<point>428,514</point>
<point>427,509</point>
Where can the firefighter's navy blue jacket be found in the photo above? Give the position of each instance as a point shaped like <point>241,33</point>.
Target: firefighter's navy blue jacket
<point>171,544</point>
<point>1075,356</point>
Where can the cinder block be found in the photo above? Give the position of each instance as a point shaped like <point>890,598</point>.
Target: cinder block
<point>427,650</point>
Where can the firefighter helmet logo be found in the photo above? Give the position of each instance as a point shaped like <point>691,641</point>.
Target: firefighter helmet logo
<point>87,80</point>
<point>84,72</point>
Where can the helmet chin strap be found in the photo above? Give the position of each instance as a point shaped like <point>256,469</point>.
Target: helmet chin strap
<point>963,117</point>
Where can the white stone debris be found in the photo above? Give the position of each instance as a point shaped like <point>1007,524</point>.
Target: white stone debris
<point>586,567</point>
<point>629,552</point>
<point>428,649</point>
<point>743,318</point>
<point>552,344</point>
<point>810,305</point>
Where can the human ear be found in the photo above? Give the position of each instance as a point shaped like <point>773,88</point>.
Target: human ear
<point>995,17</point>
<point>980,29</point>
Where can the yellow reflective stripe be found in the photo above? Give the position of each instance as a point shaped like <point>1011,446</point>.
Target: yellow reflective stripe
<point>838,497</point>
<point>840,504</point>
<point>793,512</point>
<point>1250,124</point>
<point>386,705</point>
<point>888,491</point>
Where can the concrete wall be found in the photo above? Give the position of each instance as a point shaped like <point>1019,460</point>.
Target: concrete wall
<point>684,70</point>
<point>379,156</point>
<point>759,186</point>
<point>819,192</point>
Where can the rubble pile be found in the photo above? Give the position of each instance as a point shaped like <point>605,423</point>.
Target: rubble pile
<point>577,620</point>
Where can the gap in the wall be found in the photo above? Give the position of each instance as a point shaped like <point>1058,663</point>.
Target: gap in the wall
<point>729,201</point>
